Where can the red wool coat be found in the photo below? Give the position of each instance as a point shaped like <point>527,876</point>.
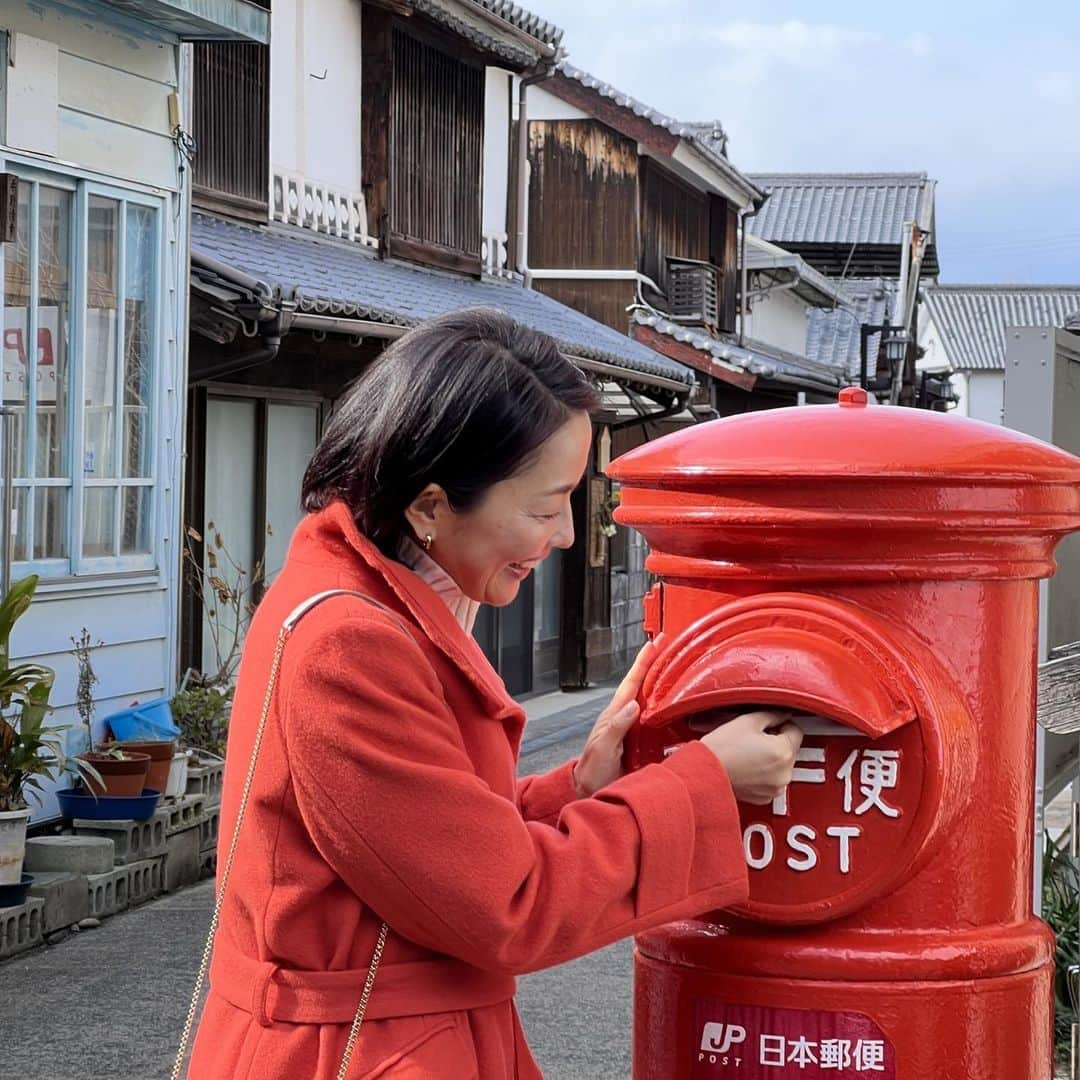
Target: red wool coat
<point>385,789</point>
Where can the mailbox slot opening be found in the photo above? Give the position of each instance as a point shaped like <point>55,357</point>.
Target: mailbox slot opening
<point>813,723</point>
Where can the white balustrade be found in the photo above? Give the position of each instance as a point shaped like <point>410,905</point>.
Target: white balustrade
<point>493,255</point>
<point>296,200</point>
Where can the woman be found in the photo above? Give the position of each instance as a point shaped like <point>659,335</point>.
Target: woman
<point>385,784</point>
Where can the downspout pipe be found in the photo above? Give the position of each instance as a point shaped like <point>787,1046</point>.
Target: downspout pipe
<point>772,290</point>
<point>677,406</point>
<point>744,300</point>
<point>521,231</point>
<point>268,352</point>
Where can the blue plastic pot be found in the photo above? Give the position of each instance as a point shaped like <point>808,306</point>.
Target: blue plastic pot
<point>14,895</point>
<point>78,804</point>
<point>150,720</point>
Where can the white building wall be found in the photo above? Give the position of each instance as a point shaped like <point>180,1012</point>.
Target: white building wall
<point>986,396</point>
<point>779,319</point>
<point>100,111</point>
<point>934,357</point>
<point>498,87</point>
<point>979,393</point>
<point>315,91</point>
<point>543,105</point>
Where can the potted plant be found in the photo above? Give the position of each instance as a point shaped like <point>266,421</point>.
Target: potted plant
<point>29,750</point>
<point>117,772</point>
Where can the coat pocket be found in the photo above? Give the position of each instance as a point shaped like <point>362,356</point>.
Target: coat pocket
<point>429,1047</point>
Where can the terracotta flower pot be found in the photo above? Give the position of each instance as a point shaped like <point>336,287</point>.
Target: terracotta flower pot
<point>161,754</point>
<point>124,776</point>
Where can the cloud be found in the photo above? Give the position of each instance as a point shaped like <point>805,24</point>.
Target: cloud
<point>920,45</point>
<point>1057,88</point>
<point>793,43</point>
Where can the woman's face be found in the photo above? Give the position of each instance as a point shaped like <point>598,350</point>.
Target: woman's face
<point>492,548</point>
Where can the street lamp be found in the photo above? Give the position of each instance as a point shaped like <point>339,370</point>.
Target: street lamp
<point>894,345</point>
<point>896,348</point>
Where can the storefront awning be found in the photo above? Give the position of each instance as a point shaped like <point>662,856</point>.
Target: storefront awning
<point>283,267</point>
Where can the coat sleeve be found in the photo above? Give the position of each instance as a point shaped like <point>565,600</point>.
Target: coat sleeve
<point>542,797</point>
<point>392,803</point>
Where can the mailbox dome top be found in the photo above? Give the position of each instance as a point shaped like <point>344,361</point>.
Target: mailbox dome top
<point>851,440</point>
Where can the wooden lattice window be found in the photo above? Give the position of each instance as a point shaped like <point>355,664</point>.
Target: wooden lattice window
<point>436,148</point>
<point>231,125</point>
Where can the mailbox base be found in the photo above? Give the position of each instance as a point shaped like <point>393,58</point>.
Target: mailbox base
<point>693,1023</point>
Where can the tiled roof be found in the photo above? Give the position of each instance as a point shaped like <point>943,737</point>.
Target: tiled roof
<point>832,336</point>
<point>847,210</point>
<point>841,208</point>
<point>707,138</point>
<point>547,36</point>
<point>755,357</point>
<point>332,277</point>
<point>517,16</point>
<point>971,319</point>
<point>710,132</point>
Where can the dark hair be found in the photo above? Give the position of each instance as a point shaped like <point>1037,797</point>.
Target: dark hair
<point>463,401</point>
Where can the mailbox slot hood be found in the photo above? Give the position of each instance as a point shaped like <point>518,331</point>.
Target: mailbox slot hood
<point>807,653</point>
<point>796,669</point>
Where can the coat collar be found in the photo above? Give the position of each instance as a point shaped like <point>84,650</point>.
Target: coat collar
<point>334,531</point>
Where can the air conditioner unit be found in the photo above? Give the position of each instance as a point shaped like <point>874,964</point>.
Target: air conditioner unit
<point>693,292</point>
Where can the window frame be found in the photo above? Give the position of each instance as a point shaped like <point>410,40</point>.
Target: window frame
<point>76,566</point>
<point>191,645</point>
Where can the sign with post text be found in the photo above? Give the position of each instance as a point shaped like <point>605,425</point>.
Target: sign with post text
<point>752,1042</point>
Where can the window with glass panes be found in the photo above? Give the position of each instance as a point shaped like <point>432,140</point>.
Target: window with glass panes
<point>80,348</point>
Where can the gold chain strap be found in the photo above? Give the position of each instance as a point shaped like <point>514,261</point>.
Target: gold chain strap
<point>189,1023</point>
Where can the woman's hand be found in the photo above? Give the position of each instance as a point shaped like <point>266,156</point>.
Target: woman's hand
<point>601,760</point>
<point>757,749</point>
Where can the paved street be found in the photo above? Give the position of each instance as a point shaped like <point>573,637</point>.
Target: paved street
<point>123,989</point>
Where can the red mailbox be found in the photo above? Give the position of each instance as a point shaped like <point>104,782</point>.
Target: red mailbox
<point>875,571</point>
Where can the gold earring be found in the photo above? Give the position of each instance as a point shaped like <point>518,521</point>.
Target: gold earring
<point>428,540</point>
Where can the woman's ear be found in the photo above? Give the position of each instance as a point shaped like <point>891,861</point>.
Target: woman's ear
<point>427,512</point>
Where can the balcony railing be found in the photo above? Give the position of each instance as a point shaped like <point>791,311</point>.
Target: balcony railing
<point>322,208</point>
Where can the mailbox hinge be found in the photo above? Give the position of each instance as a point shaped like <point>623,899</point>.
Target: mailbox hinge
<point>653,603</point>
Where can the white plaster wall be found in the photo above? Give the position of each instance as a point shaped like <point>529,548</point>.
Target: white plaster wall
<point>986,396</point>
<point>959,383</point>
<point>934,357</point>
<point>315,91</point>
<point>497,90</point>
<point>544,105</point>
<point>779,319</point>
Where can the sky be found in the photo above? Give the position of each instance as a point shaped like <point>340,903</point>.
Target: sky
<point>984,97</point>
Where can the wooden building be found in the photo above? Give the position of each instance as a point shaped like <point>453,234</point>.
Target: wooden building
<point>371,196</point>
<point>635,219</point>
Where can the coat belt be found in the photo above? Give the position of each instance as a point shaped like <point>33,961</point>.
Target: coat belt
<point>272,993</point>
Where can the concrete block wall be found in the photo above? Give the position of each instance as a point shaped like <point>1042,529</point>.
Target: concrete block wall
<point>105,867</point>
<point>21,927</point>
<point>206,780</point>
<point>628,589</point>
<point>132,841</point>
